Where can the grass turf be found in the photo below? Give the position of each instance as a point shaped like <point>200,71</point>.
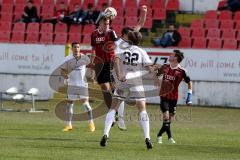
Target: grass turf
<point>203,134</point>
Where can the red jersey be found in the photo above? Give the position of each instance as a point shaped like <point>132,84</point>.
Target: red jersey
<point>174,76</point>
<point>103,44</point>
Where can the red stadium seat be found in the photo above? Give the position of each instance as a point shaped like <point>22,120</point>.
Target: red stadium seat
<point>32,38</point>
<point>148,23</point>
<point>6,17</point>
<point>131,4</point>
<point>186,42</point>
<point>228,34</point>
<point>238,35</point>
<point>227,24</point>
<point>86,39</point>
<point>19,10</point>
<point>172,5</point>
<point>46,28</point>
<point>20,2</point>
<point>237,16</point>
<point>118,29</point>
<point>74,37</point>
<point>33,28</point>
<point>211,23</point>
<point>211,14</point>
<point>198,23</point>
<point>8,2</point>
<point>60,38</point>
<point>18,37</point>
<point>158,4</point>
<point>47,11</point>
<point>7,8</point>
<point>118,21</point>
<point>131,21</point>
<point>198,32</point>
<point>117,4</point>
<point>213,33</point>
<point>6,26</point>
<point>88,29</point>
<point>230,44</point>
<point>184,31</point>
<point>225,15</point>
<point>46,38</point>
<point>4,36</point>
<point>159,14</point>
<point>19,27</point>
<point>214,43</point>
<point>75,29</point>
<point>60,1</point>
<point>72,2</point>
<point>199,43</point>
<point>47,2</point>
<point>60,28</point>
<point>119,12</point>
<point>237,26</point>
<point>146,3</point>
<point>131,12</point>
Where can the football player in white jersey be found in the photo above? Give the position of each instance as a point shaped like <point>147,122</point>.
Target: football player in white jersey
<point>122,43</point>
<point>130,63</point>
<point>73,70</point>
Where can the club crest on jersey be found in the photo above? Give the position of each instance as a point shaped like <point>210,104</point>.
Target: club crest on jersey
<point>100,39</point>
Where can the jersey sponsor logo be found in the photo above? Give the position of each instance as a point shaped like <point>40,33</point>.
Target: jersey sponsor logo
<point>168,77</point>
<point>100,39</point>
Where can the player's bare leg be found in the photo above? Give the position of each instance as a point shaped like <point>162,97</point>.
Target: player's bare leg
<point>144,121</point>
<point>69,114</point>
<point>88,109</point>
<point>109,120</point>
<point>107,93</point>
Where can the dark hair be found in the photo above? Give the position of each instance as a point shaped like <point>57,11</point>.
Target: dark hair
<point>179,55</point>
<point>90,5</point>
<point>74,43</point>
<point>134,37</point>
<point>126,30</point>
<point>104,4</point>
<point>30,1</point>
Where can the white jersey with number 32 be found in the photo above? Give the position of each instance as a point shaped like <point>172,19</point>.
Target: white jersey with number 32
<point>133,61</point>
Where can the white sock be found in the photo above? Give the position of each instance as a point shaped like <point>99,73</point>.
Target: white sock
<point>144,121</point>
<point>109,120</point>
<point>121,111</point>
<point>69,113</point>
<point>88,109</point>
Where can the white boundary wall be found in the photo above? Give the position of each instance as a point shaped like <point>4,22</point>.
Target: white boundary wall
<point>216,74</point>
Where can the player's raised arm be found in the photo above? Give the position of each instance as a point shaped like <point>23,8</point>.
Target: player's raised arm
<point>142,18</point>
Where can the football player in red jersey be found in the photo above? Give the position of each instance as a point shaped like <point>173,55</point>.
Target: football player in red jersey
<point>102,41</point>
<point>173,73</point>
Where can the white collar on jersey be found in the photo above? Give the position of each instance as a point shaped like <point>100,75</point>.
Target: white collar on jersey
<point>178,66</point>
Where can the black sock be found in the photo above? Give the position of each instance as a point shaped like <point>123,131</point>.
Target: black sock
<point>167,128</point>
<point>162,130</point>
<point>107,98</point>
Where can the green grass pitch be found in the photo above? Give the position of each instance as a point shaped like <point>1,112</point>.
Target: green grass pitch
<point>202,134</point>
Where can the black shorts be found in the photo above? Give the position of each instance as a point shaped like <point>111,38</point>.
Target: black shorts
<point>103,73</point>
<point>168,105</point>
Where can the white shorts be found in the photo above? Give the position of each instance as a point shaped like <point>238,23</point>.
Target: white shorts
<point>130,93</point>
<point>77,93</point>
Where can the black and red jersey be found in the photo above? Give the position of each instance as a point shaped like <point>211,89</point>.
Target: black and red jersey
<point>103,43</point>
<point>174,76</point>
